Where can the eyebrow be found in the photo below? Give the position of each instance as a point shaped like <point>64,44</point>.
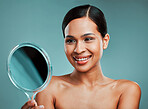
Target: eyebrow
<point>87,34</point>
<point>70,36</point>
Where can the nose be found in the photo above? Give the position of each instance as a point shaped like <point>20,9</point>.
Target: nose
<point>80,47</point>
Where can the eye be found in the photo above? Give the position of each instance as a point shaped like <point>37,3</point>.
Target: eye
<point>88,39</point>
<point>70,41</point>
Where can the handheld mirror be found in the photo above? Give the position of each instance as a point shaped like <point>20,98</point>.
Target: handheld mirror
<point>29,68</point>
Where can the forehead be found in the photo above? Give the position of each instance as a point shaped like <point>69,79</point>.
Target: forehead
<point>80,26</point>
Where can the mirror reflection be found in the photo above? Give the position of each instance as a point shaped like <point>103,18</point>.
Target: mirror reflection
<point>29,67</point>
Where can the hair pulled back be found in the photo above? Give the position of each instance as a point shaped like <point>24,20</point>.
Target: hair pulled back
<point>92,12</point>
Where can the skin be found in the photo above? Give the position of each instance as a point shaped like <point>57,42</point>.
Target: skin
<point>86,87</point>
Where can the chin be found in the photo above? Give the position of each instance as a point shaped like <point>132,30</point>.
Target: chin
<point>82,69</point>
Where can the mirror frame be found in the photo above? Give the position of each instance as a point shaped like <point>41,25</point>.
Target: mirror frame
<point>47,59</point>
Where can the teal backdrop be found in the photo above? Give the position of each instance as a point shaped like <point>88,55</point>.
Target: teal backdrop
<point>39,22</point>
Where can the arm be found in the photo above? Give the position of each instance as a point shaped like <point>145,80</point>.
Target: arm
<point>130,98</point>
<point>45,99</point>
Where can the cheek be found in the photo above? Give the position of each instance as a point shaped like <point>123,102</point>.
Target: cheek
<point>97,48</point>
<point>68,50</point>
<point>100,49</point>
<point>65,49</point>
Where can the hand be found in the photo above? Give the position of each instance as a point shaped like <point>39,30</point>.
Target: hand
<point>32,104</point>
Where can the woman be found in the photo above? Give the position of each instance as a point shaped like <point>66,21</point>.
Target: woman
<point>85,34</point>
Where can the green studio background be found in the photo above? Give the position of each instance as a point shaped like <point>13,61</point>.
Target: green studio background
<point>39,22</point>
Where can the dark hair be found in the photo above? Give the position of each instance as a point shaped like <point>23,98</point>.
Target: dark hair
<point>95,14</point>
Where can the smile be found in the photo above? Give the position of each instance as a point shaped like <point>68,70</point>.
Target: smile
<point>81,60</point>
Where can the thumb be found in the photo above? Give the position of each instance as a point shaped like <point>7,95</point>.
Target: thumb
<point>41,107</point>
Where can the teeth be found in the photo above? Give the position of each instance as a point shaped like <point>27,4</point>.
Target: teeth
<point>81,59</point>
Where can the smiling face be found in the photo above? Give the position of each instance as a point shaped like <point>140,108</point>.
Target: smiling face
<point>83,44</point>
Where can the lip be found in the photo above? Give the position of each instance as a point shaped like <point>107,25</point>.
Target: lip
<point>82,59</point>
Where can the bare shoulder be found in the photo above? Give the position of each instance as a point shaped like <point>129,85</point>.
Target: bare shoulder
<point>47,97</point>
<point>48,91</point>
<point>55,83</point>
<point>58,80</point>
<point>130,94</point>
<point>128,85</point>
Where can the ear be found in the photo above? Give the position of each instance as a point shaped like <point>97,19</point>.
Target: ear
<point>106,41</point>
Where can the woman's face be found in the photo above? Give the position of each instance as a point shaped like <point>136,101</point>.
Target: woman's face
<point>83,44</point>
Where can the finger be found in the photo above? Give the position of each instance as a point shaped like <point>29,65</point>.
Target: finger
<point>41,107</point>
<point>38,107</point>
<point>28,104</point>
<point>35,103</point>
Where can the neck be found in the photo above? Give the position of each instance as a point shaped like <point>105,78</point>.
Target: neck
<point>89,78</point>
